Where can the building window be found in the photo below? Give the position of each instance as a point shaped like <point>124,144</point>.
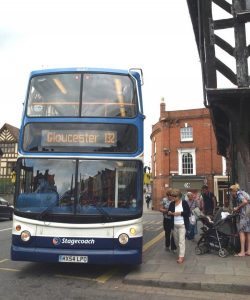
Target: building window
<point>187,161</point>
<point>8,149</point>
<point>10,167</point>
<point>246,5</point>
<point>186,134</point>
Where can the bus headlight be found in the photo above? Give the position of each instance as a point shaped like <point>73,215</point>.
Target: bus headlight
<point>123,239</point>
<point>25,236</point>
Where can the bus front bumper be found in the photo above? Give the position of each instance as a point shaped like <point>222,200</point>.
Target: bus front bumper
<point>116,256</point>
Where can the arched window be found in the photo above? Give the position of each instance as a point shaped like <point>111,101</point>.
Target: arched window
<point>187,162</point>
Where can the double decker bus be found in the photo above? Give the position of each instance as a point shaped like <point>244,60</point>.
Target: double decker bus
<point>79,174</point>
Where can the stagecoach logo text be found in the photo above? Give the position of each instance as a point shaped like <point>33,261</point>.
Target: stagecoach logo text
<point>56,241</point>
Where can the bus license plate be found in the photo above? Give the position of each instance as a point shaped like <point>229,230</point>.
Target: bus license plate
<point>73,259</point>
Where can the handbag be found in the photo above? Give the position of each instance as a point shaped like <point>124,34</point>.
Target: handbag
<point>248,210</point>
<point>197,212</point>
<point>192,219</point>
<point>246,196</point>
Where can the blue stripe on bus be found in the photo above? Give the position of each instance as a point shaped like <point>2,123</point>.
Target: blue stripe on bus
<point>84,243</point>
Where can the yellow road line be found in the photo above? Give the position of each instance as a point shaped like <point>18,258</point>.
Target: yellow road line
<point>74,277</point>
<point>3,260</point>
<point>101,279</point>
<point>7,269</point>
<point>153,241</point>
<point>106,276</point>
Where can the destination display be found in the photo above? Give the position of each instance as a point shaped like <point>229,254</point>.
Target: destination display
<point>79,138</point>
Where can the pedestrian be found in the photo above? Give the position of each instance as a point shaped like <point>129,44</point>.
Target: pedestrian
<point>192,203</point>
<point>179,212</point>
<point>208,201</point>
<point>241,201</point>
<point>148,199</point>
<point>169,238</point>
<point>13,179</point>
<point>198,199</point>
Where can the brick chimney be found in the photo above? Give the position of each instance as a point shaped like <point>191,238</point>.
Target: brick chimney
<point>162,107</point>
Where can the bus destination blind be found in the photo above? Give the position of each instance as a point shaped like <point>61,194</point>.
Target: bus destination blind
<point>79,138</point>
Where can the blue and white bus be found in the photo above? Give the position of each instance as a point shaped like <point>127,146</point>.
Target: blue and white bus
<point>79,182</point>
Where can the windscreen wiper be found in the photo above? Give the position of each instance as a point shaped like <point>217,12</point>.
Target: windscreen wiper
<point>46,210</point>
<point>104,213</point>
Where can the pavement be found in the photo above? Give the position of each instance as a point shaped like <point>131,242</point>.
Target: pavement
<point>206,272</point>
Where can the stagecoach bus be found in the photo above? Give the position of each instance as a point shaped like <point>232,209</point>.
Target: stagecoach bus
<point>79,174</point>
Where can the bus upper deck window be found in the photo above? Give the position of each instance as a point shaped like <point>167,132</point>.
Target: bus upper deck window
<point>107,95</point>
<point>54,95</point>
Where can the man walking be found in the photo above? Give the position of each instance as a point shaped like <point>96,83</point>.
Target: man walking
<point>208,201</point>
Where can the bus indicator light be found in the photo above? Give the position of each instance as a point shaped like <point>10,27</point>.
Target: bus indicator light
<point>132,231</point>
<point>18,227</point>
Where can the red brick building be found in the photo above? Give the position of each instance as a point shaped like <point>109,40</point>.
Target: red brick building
<point>184,154</point>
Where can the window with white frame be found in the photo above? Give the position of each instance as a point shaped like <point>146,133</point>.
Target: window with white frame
<point>186,162</point>
<point>186,134</point>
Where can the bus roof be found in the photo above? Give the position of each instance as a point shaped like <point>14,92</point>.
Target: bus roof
<point>135,72</point>
<point>82,69</point>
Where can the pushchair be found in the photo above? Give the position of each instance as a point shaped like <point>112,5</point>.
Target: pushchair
<point>218,235</point>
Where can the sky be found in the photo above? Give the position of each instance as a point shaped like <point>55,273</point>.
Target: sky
<point>154,35</point>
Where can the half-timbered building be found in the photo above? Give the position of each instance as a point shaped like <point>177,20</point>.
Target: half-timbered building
<point>9,136</point>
